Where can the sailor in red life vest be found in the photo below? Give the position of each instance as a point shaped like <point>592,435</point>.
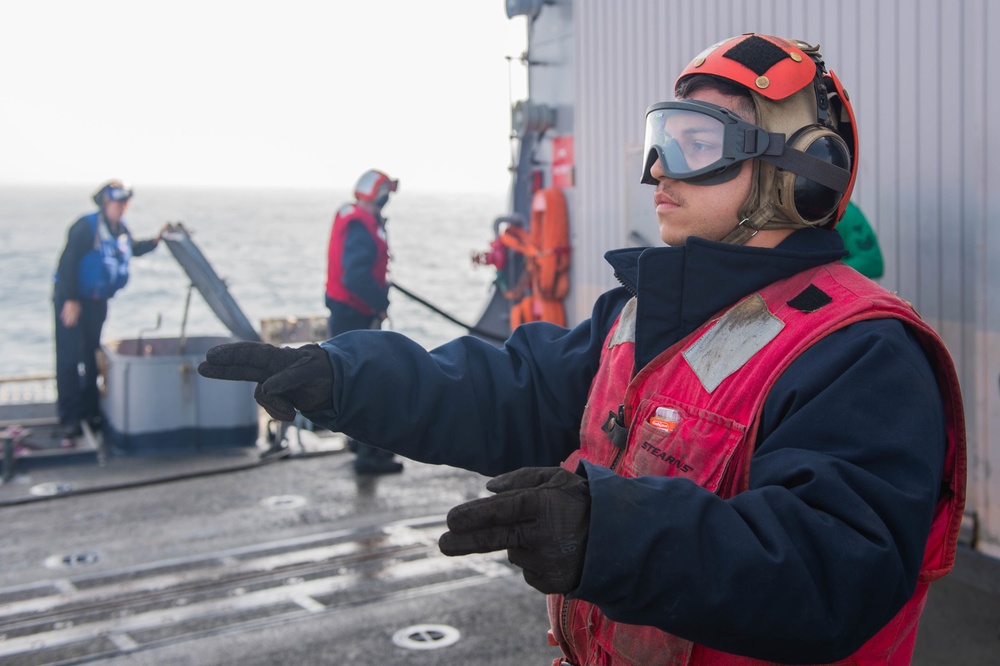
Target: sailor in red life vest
<point>357,285</point>
<point>749,454</point>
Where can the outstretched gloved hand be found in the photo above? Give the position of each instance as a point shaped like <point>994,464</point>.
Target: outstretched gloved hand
<point>541,515</point>
<point>287,378</point>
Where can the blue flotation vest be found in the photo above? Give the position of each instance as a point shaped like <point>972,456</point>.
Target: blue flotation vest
<point>104,269</point>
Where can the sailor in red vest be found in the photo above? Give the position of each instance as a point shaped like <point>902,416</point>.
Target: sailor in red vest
<point>749,454</point>
<point>357,284</point>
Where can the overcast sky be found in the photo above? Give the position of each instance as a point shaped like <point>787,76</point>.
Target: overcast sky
<point>258,93</point>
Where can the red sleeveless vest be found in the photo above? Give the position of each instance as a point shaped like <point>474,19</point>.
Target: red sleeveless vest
<point>716,381</point>
<point>335,288</point>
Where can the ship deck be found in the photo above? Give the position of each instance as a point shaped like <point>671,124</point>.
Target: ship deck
<point>220,558</point>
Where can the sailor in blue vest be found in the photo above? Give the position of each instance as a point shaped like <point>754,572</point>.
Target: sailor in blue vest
<point>93,266</point>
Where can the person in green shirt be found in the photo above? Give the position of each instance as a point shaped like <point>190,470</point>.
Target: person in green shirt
<point>864,254</point>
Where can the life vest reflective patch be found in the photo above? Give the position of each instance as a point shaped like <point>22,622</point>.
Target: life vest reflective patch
<point>727,346</point>
<point>625,329</point>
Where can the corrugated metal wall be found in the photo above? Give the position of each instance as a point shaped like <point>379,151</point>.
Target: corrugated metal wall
<point>929,177</point>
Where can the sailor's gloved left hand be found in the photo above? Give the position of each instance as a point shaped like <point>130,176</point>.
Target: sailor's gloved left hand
<point>287,378</point>
<point>541,515</point>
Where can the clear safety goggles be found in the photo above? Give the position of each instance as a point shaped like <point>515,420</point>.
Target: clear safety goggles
<point>704,143</point>
<point>119,193</point>
<point>698,141</point>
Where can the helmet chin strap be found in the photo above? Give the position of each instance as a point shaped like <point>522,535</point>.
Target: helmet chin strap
<point>749,226</point>
<point>760,220</point>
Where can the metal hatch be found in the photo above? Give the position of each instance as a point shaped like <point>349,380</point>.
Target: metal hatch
<point>208,283</point>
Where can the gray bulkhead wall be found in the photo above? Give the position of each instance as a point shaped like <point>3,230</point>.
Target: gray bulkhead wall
<point>550,63</point>
<point>929,179</point>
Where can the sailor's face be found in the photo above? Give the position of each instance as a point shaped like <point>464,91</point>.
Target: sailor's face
<point>115,210</point>
<point>695,139</point>
<point>685,209</point>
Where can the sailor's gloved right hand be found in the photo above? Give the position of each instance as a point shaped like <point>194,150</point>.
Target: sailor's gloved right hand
<point>288,379</point>
<point>541,515</point>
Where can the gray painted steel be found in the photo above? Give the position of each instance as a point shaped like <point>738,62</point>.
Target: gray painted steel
<point>929,178</point>
<point>211,287</point>
<point>155,400</point>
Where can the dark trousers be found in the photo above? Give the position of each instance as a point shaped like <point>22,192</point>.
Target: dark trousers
<point>78,398</point>
<point>344,318</point>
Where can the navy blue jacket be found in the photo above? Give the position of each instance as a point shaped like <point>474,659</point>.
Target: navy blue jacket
<point>818,554</point>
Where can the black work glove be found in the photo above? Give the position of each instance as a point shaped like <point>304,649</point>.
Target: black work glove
<point>287,378</point>
<point>541,515</point>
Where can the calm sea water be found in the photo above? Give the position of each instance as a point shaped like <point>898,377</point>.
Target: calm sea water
<point>268,245</point>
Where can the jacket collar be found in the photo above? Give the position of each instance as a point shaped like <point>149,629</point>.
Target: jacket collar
<point>680,288</point>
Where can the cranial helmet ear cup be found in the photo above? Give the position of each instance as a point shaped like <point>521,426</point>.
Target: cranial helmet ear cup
<point>805,201</point>
<point>99,195</point>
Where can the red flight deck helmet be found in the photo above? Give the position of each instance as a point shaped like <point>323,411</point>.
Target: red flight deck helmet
<point>804,143</point>
<point>374,184</point>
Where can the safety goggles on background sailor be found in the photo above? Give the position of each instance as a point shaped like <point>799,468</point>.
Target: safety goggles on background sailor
<point>704,143</point>
<point>119,193</point>
<point>115,191</point>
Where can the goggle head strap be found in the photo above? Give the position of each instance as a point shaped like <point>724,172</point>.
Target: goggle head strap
<point>805,165</point>
<point>743,141</point>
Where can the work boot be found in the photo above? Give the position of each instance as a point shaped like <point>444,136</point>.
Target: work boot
<point>71,430</point>
<point>276,444</point>
<point>372,460</point>
<point>69,433</point>
<point>274,452</point>
<point>95,422</point>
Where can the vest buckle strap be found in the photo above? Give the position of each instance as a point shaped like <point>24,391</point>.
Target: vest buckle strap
<point>615,428</point>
